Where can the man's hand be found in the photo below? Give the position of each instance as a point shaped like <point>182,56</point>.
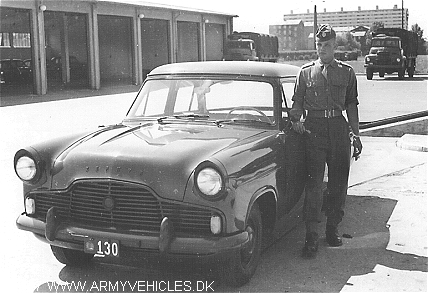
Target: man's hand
<point>298,127</point>
<point>358,147</point>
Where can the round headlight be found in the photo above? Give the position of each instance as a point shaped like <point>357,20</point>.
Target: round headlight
<point>398,59</point>
<point>368,59</point>
<point>26,168</point>
<point>209,181</point>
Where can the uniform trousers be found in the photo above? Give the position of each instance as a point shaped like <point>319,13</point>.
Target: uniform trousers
<point>326,141</point>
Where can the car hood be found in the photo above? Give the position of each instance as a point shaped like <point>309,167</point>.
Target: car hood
<point>162,156</point>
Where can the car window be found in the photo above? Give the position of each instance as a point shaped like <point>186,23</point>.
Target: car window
<point>288,91</point>
<point>216,98</point>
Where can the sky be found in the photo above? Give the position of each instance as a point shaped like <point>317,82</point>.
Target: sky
<point>258,17</point>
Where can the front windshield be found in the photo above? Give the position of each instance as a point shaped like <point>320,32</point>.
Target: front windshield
<point>211,99</point>
<point>385,43</point>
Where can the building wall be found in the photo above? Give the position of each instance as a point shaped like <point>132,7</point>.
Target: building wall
<point>390,17</point>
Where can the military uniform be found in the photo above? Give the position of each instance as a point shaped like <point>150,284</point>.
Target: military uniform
<point>322,94</point>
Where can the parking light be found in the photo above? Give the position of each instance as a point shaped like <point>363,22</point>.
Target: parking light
<point>215,224</point>
<point>30,206</point>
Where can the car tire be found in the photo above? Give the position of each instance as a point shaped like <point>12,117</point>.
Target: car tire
<point>369,74</point>
<point>242,266</point>
<point>70,256</point>
<point>401,74</point>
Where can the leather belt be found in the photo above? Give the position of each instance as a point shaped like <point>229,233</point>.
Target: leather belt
<point>324,113</point>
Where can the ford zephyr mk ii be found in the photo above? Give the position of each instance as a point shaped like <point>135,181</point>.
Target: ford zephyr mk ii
<point>203,165</point>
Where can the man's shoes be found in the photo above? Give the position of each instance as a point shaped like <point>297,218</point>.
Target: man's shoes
<point>332,236</point>
<point>311,245</point>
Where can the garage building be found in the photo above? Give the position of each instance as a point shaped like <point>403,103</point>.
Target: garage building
<point>97,43</point>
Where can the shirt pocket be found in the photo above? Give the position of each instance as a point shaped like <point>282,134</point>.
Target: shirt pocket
<point>315,89</point>
<point>338,87</point>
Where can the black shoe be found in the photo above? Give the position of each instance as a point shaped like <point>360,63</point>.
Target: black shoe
<point>332,236</point>
<point>311,245</point>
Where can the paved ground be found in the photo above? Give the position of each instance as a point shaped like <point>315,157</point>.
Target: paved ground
<point>388,187</point>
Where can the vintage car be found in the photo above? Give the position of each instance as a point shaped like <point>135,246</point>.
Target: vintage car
<point>15,71</point>
<point>204,165</point>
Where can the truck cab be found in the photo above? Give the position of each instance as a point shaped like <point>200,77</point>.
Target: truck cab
<point>392,50</point>
<point>240,50</point>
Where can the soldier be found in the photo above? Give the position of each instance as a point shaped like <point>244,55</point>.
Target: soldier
<point>324,89</point>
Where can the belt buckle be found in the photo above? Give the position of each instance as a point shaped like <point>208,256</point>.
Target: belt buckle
<point>328,113</point>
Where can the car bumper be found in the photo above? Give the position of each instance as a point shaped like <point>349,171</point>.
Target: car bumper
<point>73,237</point>
<point>375,66</point>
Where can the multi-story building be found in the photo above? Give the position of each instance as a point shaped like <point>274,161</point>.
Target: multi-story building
<point>291,36</point>
<point>395,17</point>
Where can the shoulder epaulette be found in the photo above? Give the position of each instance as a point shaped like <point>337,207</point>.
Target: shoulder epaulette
<point>343,63</point>
<point>308,64</point>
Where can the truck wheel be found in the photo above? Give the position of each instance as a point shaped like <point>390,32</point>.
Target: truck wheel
<point>369,74</point>
<point>71,257</point>
<point>410,72</point>
<point>401,74</point>
<point>242,266</point>
<point>381,73</point>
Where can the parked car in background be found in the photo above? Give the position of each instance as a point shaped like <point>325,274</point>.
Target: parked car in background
<point>204,165</point>
<point>14,71</point>
<point>78,70</point>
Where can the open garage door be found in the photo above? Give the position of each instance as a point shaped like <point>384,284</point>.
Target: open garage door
<point>115,45</point>
<point>16,76</point>
<point>66,50</point>
<point>155,43</point>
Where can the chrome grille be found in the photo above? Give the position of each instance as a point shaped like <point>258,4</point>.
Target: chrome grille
<point>135,208</point>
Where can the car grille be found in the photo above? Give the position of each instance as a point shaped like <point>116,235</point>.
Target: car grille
<point>134,208</point>
<point>383,58</point>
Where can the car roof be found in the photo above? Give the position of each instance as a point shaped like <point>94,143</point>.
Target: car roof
<point>250,68</point>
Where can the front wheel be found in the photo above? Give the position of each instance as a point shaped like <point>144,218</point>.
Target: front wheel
<point>242,266</point>
<point>70,256</point>
<point>401,74</point>
<point>410,71</point>
<point>369,74</point>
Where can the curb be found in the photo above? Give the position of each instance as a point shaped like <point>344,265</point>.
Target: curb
<point>413,142</point>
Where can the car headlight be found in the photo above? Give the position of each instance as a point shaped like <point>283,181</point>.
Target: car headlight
<point>398,59</point>
<point>368,59</point>
<point>26,168</point>
<point>209,182</point>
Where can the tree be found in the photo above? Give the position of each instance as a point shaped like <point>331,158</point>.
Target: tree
<point>373,28</point>
<point>422,48</point>
<point>347,42</point>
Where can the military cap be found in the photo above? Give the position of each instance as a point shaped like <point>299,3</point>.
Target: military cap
<point>325,32</point>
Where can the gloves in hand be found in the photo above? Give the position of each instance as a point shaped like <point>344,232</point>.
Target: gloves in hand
<point>358,147</point>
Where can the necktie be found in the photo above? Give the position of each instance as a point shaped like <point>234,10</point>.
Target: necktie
<point>324,70</point>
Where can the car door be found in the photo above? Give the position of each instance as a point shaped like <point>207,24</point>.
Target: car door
<point>292,176</point>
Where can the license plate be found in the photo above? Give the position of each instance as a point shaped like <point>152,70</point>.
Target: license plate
<point>104,247</point>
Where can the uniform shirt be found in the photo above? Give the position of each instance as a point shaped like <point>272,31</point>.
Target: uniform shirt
<point>314,92</point>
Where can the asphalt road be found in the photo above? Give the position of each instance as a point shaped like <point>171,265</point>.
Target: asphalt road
<point>29,265</point>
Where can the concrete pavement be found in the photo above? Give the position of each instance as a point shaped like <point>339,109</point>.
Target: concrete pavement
<point>389,168</point>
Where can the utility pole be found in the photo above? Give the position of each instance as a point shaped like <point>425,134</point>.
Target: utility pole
<point>315,26</point>
<point>402,14</point>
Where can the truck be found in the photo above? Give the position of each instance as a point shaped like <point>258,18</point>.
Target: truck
<point>251,46</point>
<point>392,50</point>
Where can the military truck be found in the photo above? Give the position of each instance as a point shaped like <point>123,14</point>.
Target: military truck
<point>392,50</point>
<point>250,46</point>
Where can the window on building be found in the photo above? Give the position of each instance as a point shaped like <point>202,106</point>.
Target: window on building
<point>4,40</point>
<point>21,40</point>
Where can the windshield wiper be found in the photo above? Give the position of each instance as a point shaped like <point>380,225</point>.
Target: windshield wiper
<point>183,116</point>
<point>243,121</point>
